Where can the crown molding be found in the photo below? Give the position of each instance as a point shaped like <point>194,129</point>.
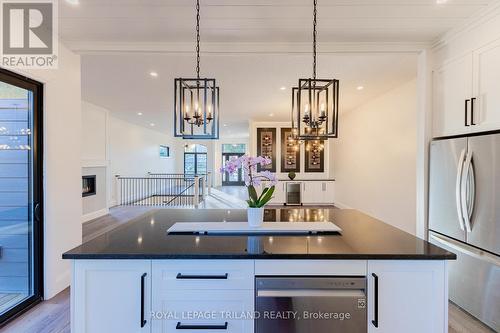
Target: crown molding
<point>92,47</point>
<point>473,22</point>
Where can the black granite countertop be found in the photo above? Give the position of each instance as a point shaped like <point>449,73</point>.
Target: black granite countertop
<point>362,237</point>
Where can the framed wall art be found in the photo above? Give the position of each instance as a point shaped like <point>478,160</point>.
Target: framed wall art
<point>290,152</point>
<point>315,156</point>
<point>266,146</point>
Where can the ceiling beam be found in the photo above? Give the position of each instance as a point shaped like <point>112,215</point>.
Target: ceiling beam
<point>96,48</point>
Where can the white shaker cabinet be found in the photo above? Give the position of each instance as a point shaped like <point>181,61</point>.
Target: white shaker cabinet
<point>486,86</point>
<point>312,193</point>
<point>407,296</point>
<point>279,196</point>
<point>111,296</point>
<point>452,94</point>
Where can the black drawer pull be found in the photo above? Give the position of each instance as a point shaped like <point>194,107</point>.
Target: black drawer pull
<point>181,326</point>
<point>375,301</point>
<point>143,285</point>
<point>181,276</point>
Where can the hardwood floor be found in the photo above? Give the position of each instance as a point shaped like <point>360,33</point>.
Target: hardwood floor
<point>53,316</point>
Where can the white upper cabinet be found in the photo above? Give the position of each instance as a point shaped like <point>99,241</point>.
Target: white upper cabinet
<point>452,93</point>
<point>465,93</point>
<point>486,88</point>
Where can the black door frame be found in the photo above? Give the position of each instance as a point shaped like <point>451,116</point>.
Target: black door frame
<point>37,216</point>
<point>241,182</point>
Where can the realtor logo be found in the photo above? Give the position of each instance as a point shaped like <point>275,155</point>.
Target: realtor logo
<point>29,33</point>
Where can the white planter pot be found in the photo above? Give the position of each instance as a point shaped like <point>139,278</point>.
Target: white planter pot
<point>255,217</point>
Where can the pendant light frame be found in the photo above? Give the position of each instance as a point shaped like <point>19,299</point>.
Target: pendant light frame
<point>196,101</point>
<point>315,102</point>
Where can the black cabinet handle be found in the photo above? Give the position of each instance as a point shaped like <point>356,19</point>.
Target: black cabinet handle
<point>467,112</point>
<point>181,326</point>
<point>472,111</point>
<point>181,276</point>
<point>143,285</point>
<point>375,301</point>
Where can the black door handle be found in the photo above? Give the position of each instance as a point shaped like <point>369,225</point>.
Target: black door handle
<point>467,112</point>
<point>181,276</point>
<point>143,284</point>
<point>36,212</point>
<point>473,99</point>
<point>375,301</point>
<point>181,326</point>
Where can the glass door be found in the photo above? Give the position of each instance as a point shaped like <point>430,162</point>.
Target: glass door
<point>235,178</point>
<point>20,193</point>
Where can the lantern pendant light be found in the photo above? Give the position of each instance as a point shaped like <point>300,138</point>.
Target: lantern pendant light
<point>315,102</point>
<point>196,101</point>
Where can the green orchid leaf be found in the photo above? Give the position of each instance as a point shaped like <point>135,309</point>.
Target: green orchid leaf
<point>267,197</point>
<point>252,193</point>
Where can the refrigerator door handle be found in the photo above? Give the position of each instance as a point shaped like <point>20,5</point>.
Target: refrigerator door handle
<point>458,189</point>
<point>464,192</point>
<point>466,249</point>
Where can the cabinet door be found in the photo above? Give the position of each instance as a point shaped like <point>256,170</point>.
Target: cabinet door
<point>111,296</point>
<point>279,194</point>
<point>407,296</point>
<point>312,192</point>
<point>452,87</point>
<point>486,88</point>
<point>327,193</point>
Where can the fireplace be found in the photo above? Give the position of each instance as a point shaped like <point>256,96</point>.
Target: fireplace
<point>88,186</point>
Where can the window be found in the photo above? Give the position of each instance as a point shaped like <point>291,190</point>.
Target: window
<point>164,151</point>
<point>239,148</point>
<point>195,159</point>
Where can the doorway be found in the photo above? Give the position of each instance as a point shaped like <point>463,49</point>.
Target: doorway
<point>229,152</point>
<point>21,193</point>
<point>235,178</point>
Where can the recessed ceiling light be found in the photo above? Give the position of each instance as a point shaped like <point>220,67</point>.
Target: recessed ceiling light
<point>139,113</point>
<point>73,2</point>
<point>283,88</point>
<point>440,2</point>
<point>271,115</point>
<point>225,125</point>
<point>153,74</point>
<point>152,124</point>
<point>360,87</point>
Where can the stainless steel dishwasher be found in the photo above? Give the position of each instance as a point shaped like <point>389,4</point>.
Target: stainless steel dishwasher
<point>310,304</point>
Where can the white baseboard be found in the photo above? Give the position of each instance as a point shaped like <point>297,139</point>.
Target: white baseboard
<point>94,215</point>
<point>341,205</point>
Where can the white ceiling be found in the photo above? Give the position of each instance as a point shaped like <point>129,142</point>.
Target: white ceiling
<point>262,20</point>
<point>265,45</point>
<point>250,84</point>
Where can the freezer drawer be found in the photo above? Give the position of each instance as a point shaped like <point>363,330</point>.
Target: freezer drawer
<point>474,280</point>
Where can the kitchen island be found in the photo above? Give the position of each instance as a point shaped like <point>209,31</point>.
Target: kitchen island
<point>136,278</point>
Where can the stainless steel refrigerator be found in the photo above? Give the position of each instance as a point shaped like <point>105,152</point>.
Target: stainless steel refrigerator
<point>464,217</point>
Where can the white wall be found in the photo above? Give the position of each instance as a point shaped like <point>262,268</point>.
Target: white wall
<point>62,167</point>
<point>375,158</point>
<point>125,148</point>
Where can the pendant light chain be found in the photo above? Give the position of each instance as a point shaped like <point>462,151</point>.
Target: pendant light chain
<point>198,39</point>
<point>315,12</point>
